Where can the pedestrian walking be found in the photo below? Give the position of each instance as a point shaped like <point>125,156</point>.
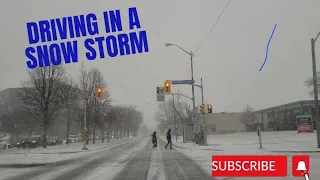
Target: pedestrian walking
<point>154,140</point>
<point>169,139</point>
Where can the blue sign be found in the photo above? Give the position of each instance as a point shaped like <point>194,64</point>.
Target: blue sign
<point>182,82</point>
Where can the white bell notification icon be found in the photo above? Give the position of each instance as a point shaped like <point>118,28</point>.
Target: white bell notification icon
<point>302,167</point>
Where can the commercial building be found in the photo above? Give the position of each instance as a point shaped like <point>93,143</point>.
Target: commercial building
<point>283,117</point>
<point>223,122</point>
<point>277,118</point>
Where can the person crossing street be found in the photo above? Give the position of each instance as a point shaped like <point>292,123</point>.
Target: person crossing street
<point>169,139</point>
<point>154,140</point>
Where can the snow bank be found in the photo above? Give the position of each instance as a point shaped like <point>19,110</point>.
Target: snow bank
<point>54,153</point>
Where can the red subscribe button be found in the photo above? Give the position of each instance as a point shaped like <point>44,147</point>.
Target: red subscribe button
<point>249,166</point>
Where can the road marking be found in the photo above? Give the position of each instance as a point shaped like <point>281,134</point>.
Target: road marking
<point>156,169</point>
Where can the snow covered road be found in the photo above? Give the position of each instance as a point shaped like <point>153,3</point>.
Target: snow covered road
<point>134,160</point>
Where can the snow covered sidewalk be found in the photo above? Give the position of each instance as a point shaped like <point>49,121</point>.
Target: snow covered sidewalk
<point>52,154</point>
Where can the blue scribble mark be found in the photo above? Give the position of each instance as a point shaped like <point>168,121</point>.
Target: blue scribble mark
<point>267,49</point>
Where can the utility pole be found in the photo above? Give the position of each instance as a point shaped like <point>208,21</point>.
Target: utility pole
<point>315,88</point>
<point>192,78</point>
<point>174,118</point>
<point>193,96</point>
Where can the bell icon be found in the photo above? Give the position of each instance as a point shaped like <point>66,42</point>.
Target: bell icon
<point>301,166</point>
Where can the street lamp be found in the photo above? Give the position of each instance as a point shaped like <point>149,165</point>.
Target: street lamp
<point>191,59</point>
<point>315,87</point>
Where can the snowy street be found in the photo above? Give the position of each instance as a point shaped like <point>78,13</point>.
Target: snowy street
<point>134,159</point>
<point>131,160</point>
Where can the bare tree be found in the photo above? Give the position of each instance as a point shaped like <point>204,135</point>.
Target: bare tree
<point>89,81</point>
<point>123,120</point>
<point>41,94</point>
<point>309,84</point>
<point>116,117</point>
<point>136,121</point>
<point>14,120</point>
<point>104,119</point>
<point>248,118</point>
<point>96,106</point>
<point>70,101</point>
<point>166,110</point>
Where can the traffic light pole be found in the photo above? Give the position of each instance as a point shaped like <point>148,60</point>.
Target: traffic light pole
<point>203,113</point>
<point>315,86</point>
<point>85,121</point>
<point>203,118</point>
<point>174,117</point>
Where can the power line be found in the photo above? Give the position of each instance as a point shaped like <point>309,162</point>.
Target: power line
<point>212,27</point>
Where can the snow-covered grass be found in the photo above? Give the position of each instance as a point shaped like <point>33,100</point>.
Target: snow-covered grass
<point>244,142</point>
<point>53,154</point>
<point>248,143</point>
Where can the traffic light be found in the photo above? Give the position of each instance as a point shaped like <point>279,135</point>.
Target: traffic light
<point>167,87</point>
<point>209,109</point>
<point>99,93</point>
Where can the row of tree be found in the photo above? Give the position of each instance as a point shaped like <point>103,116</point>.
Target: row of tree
<point>49,98</point>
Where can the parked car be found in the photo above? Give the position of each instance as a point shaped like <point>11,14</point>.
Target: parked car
<point>79,138</point>
<point>60,141</point>
<point>32,142</point>
<point>19,143</point>
<point>72,138</point>
<point>53,140</point>
<point>9,141</point>
<point>3,144</point>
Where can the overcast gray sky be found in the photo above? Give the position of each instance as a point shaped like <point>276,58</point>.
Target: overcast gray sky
<point>228,61</point>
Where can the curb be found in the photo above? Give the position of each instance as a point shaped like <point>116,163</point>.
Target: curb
<point>73,152</point>
<point>295,151</point>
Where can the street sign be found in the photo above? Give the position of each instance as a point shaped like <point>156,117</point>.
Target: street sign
<point>182,82</point>
<point>160,94</point>
<point>204,108</point>
<point>304,123</point>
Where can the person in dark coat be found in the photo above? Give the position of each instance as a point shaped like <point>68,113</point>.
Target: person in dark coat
<point>154,140</point>
<point>169,139</point>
